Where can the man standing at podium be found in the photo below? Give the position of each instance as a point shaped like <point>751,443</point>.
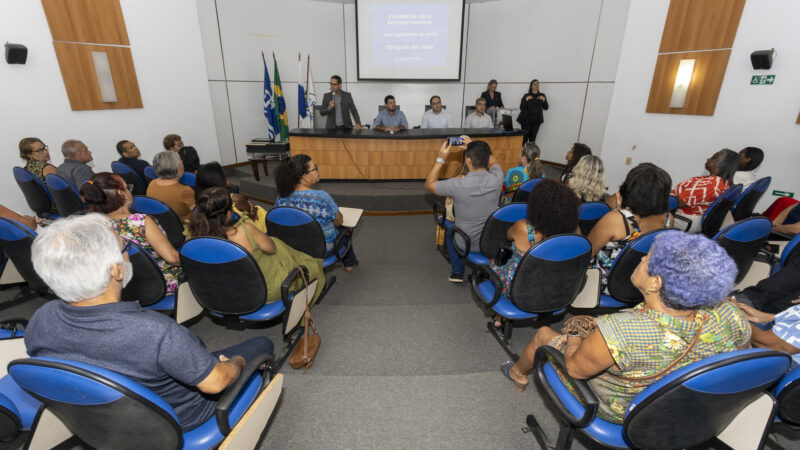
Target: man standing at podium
<point>338,105</point>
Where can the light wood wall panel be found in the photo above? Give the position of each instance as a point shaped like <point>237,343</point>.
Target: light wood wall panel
<point>701,98</point>
<point>90,21</point>
<point>83,90</point>
<point>700,25</point>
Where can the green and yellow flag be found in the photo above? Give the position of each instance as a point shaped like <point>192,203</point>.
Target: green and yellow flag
<point>280,105</point>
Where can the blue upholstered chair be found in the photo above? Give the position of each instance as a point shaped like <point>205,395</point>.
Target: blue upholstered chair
<point>521,196</point>
<point>493,235</point>
<point>744,206</point>
<point>188,179</point>
<point>149,174</point>
<point>718,213</point>
<point>589,214</point>
<point>17,409</point>
<point>787,393</point>
<point>35,192</point>
<point>147,285</point>
<point>77,397</point>
<point>130,176</point>
<point>673,203</point>
<point>714,397</point>
<point>67,198</point>
<point>162,214</point>
<point>743,240</point>
<point>227,282</point>
<point>547,280</point>
<point>15,241</point>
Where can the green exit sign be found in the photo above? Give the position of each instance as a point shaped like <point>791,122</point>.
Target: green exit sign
<point>762,79</point>
<point>783,194</point>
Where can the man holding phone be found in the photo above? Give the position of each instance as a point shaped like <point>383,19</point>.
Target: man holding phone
<point>474,195</point>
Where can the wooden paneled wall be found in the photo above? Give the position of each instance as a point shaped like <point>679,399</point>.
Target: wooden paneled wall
<point>703,30</point>
<point>80,27</point>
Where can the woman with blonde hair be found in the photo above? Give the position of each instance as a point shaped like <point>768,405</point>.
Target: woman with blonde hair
<point>589,179</point>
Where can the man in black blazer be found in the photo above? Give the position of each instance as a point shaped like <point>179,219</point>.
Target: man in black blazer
<point>338,105</point>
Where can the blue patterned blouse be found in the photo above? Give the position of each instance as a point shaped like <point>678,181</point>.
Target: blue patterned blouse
<point>321,207</point>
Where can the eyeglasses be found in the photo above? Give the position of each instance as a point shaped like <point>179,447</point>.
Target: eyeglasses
<point>315,169</point>
<point>436,103</point>
<point>43,149</point>
<point>127,246</point>
<point>334,84</point>
<point>130,187</point>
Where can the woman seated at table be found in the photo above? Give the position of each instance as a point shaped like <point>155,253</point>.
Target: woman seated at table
<point>167,187</point>
<point>552,209</point>
<point>275,259</point>
<point>294,181</point>
<point>696,194</point>
<point>108,194</point>
<point>588,179</point>
<point>684,318</point>
<point>643,200</point>
<point>530,167</point>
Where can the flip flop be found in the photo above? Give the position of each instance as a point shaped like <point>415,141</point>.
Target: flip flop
<point>505,368</point>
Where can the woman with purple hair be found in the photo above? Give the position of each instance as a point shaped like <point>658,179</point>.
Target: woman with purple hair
<point>684,317</point>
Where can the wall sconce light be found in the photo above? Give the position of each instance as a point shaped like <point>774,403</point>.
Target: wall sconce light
<point>682,80</point>
<point>102,71</point>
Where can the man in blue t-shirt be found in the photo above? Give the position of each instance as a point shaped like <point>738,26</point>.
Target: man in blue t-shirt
<point>390,119</point>
<point>86,264</point>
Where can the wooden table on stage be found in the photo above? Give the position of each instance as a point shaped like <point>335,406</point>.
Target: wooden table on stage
<point>375,155</point>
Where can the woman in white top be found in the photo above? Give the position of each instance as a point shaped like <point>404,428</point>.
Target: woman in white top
<point>749,161</point>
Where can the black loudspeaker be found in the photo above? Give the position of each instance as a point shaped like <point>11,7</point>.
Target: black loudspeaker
<point>761,59</point>
<point>16,53</point>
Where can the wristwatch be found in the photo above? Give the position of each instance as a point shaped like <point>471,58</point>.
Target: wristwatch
<point>439,160</point>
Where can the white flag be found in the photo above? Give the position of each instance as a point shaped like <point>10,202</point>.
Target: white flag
<point>311,96</point>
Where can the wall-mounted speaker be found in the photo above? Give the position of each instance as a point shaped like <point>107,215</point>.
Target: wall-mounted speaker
<point>762,59</point>
<point>16,53</point>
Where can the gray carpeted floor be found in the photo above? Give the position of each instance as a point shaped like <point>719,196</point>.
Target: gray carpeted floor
<point>405,360</point>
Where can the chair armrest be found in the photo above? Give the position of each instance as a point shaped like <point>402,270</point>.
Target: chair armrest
<point>16,325</point>
<point>482,272</point>
<point>338,242</point>
<point>683,219</point>
<point>590,407</point>
<point>767,256</point>
<point>778,236</point>
<point>438,214</point>
<point>467,241</point>
<point>287,283</point>
<point>232,391</point>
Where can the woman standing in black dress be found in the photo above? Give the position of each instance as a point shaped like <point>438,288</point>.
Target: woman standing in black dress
<point>531,108</point>
<point>492,97</point>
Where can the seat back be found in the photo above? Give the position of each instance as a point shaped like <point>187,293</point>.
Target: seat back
<point>744,205</point>
<point>715,214</point>
<point>224,277</point>
<point>67,198</point>
<point>550,274</point>
<point>742,240</point>
<point>16,240</point>
<point>496,227</point>
<point>188,179</point>
<point>695,403</point>
<point>36,194</point>
<point>589,214</point>
<point>619,276</point>
<point>788,394</point>
<point>792,250</point>
<point>83,396</point>
<point>297,229</point>
<point>429,107</point>
<point>468,110</point>
<point>147,285</point>
<point>164,215</point>
<point>673,203</point>
<point>383,106</point>
<point>130,176</point>
<point>150,174</point>
<point>524,191</point>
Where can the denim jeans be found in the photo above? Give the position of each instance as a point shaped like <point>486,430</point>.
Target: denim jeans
<point>456,263</point>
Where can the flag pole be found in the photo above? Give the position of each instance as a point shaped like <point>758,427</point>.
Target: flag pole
<point>299,61</point>
<point>308,68</point>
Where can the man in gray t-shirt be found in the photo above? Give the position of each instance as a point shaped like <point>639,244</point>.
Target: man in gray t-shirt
<point>475,196</point>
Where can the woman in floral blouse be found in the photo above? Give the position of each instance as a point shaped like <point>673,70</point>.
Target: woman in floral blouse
<point>684,280</point>
<point>37,161</point>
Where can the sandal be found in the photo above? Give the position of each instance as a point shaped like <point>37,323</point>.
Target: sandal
<point>506,368</point>
<point>498,321</point>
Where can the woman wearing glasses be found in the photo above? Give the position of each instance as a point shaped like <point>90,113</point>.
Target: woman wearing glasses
<point>37,161</point>
<point>108,194</point>
<point>294,181</point>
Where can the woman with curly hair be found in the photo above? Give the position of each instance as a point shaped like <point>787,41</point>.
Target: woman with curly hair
<point>589,179</point>
<point>575,153</point>
<point>684,317</point>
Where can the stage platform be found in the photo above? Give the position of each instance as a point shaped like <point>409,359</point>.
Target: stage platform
<point>374,197</point>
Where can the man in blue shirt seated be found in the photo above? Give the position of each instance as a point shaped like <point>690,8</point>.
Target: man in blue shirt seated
<point>390,119</point>
<point>86,264</point>
<point>129,153</point>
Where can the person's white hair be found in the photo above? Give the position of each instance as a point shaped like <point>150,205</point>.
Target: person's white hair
<point>75,255</point>
<point>165,165</point>
<point>70,147</point>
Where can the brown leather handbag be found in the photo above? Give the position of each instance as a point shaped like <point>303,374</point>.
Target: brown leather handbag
<point>307,347</point>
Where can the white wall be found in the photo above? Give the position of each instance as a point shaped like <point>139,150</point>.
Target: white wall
<point>169,60</point>
<point>571,46</point>
<point>761,116</point>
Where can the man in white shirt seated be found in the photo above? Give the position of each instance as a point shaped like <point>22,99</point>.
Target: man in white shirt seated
<point>479,119</point>
<point>436,117</point>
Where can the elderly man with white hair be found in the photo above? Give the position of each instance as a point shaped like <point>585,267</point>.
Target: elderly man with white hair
<point>75,168</point>
<point>86,264</point>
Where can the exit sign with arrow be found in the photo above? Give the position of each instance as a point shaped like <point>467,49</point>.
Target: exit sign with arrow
<point>762,79</point>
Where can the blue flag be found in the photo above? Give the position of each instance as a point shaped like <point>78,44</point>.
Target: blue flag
<point>269,110</point>
<point>301,92</point>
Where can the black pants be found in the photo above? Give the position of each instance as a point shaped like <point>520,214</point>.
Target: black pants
<point>531,130</point>
<point>775,293</point>
<point>248,349</point>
